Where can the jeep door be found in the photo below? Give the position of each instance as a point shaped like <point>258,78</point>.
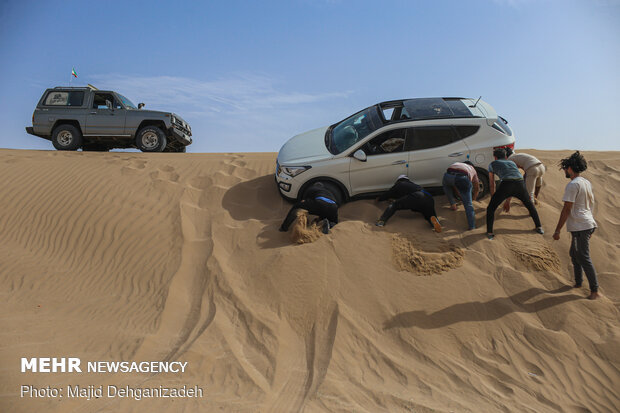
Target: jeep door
<point>102,120</point>
<point>386,159</point>
<point>433,149</point>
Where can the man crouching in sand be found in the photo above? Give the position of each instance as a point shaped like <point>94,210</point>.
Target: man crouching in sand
<point>577,214</point>
<point>409,195</point>
<point>318,200</point>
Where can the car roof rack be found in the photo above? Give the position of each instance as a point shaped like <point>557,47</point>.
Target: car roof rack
<point>89,86</point>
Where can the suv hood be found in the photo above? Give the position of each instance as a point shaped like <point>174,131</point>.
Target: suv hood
<point>305,147</point>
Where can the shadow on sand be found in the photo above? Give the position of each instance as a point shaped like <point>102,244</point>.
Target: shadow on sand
<point>493,310</point>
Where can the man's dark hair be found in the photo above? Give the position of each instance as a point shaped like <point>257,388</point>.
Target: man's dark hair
<point>500,153</point>
<point>508,152</point>
<point>576,161</point>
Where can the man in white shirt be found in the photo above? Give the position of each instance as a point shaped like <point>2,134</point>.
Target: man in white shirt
<point>577,214</point>
<point>534,171</point>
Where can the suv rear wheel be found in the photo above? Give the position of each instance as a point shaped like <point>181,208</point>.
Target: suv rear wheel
<point>66,138</point>
<point>151,139</point>
<point>483,183</point>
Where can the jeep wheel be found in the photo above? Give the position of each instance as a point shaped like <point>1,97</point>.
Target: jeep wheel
<point>66,138</point>
<point>151,139</point>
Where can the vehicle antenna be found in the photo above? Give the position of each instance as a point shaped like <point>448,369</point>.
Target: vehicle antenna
<point>474,105</point>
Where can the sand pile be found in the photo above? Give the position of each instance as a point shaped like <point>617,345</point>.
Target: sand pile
<point>303,232</point>
<point>409,258</point>
<point>130,256</point>
<point>538,256</point>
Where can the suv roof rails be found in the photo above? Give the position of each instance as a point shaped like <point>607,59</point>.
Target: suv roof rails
<point>89,86</point>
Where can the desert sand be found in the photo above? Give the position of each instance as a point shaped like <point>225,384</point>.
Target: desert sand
<point>130,256</point>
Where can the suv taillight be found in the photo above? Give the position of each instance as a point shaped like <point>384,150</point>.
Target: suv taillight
<point>511,146</point>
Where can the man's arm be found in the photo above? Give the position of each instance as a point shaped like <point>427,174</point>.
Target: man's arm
<point>391,193</point>
<point>568,206</point>
<point>476,185</point>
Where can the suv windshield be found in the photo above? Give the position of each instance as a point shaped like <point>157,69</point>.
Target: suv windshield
<point>128,103</point>
<point>348,132</point>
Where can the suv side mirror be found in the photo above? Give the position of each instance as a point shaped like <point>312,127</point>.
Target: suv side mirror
<point>140,105</point>
<point>360,155</point>
<point>109,104</point>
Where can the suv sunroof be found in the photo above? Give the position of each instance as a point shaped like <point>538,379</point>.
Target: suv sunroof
<point>426,108</point>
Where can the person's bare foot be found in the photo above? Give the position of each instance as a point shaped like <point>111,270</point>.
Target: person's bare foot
<point>453,207</point>
<point>593,296</point>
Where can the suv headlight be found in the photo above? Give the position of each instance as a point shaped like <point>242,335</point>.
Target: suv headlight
<point>293,171</point>
<point>173,119</point>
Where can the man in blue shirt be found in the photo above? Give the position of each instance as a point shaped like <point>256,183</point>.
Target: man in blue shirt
<point>511,184</point>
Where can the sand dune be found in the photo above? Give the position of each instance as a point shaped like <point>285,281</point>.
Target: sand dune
<point>130,256</point>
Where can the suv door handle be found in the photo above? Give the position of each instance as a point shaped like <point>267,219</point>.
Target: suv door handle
<point>452,155</point>
<point>93,113</point>
<point>399,162</point>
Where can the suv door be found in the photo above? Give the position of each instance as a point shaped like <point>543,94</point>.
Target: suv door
<point>386,159</point>
<point>433,149</point>
<point>102,120</point>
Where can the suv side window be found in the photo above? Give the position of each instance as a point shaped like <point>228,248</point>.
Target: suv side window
<point>467,130</point>
<point>100,98</point>
<point>388,142</point>
<point>64,98</point>
<point>431,137</point>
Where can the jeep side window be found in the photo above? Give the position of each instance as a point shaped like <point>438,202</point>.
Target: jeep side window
<point>99,101</point>
<point>388,142</point>
<point>430,137</point>
<point>62,98</point>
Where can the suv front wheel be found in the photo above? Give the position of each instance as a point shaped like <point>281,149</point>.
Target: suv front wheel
<point>67,138</point>
<point>151,139</point>
<point>331,187</point>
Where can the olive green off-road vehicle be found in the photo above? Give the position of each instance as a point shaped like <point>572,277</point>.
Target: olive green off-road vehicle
<point>98,120</point>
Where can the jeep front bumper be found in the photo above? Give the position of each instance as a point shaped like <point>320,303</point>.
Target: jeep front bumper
<point>180,135</point>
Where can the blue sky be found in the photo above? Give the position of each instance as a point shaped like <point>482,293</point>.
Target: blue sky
<point>248,75</point>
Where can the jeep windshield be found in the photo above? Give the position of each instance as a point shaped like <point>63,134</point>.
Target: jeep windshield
<point>128,103</point>
<point>341,136</point>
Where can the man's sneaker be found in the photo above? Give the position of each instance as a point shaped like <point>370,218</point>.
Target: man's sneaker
<point>380,223</point>
<point>436,224</point>
<point>539,230</point>
<point>325,226</point>
<point>490,236</point>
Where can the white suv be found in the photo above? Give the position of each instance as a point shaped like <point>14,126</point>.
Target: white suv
<point>365,153</point>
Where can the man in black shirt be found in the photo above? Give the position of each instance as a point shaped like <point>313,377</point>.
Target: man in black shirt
<point>318,200</point>
<point>409,195</point>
